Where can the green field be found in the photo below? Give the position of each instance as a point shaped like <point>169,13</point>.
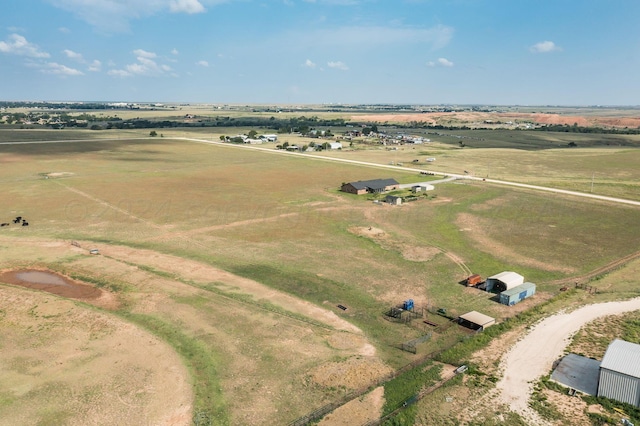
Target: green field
<point>281,221</point>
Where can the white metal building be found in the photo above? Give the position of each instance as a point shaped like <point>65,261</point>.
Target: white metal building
<point>620,373</point>
<point>504,281</point>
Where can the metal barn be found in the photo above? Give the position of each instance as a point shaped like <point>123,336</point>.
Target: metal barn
<point>517,294</point>
<point>504,281</point>
<point>476,321</point>
<point>620,373</point>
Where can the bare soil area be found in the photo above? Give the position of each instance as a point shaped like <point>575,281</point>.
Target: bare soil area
<point>481,117</point>
<point>65,364</point>
<point>355,373</point>
<point>357,412</point>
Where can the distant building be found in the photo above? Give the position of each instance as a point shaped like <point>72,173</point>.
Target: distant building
<point>269,138</point>
<point>335,145</point>
<point>370,186</point>
<point>620,373</point>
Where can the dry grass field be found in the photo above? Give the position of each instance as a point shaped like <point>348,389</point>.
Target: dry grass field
<point>237,260</point>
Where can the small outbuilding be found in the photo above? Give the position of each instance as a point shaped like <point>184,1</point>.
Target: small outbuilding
<point>517,294</point>
<point>504,281</point>
<point>392,199</point>
<point>620,373</point>
<point>476,321</point>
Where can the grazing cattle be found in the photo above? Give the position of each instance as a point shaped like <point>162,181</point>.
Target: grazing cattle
<point>4,224</point>
<point>25,223</point>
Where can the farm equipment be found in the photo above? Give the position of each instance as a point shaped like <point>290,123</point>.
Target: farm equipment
<point>474,280</point>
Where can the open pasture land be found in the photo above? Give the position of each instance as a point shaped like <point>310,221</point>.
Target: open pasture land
<point>238,258</point>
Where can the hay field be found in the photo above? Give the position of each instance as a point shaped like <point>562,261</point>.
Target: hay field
<point>171,216</point>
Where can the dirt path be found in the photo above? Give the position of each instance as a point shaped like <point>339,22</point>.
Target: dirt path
<point>535,353</point>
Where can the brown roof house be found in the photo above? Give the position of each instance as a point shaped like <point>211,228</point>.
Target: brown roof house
<point>370,186</point>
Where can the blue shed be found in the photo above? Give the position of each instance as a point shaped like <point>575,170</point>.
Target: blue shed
<point>517,294</point>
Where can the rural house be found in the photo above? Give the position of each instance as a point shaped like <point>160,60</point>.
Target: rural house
<point>370,186</point>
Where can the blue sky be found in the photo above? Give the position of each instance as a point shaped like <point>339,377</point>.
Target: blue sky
<point>525,52</point>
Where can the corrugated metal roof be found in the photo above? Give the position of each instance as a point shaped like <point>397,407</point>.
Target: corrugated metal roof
<point>623,357</point>
<point>477,318</point>
<point>519,289</point>
<point>508,277</point>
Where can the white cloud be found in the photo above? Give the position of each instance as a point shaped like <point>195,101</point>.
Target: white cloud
<point>146,65</point>
<point>59,69</point>
<point>18,45</point>
<point>203,63</point>
<point>95,66</point>
<point>338,65</point>
<point>114,15</point>
<point>64,30</point>
<point>119,73</point>
<point>545,47</point>
<point>186,6</point>
<point>441,62</point>
<point>175,52</point>
<point>309,64</point>
<point>144,54</point>
<point>73,55</point>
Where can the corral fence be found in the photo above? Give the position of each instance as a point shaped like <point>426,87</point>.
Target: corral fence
<point>412,345</point>
<point>587,288</point>
<point>322,411</point>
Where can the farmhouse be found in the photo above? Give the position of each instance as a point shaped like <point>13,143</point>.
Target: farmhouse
<point>620,373</point>
<point>504,281</point>
<point>335,145</point>
<point>476,321</point>
<point>370,186</point>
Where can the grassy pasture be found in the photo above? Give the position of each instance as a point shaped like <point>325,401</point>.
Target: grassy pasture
<point>280,221</point>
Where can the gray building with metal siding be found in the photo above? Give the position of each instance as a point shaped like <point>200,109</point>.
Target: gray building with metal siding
<point>620,373</point>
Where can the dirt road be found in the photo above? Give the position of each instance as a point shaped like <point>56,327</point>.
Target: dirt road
<point>535,353</point>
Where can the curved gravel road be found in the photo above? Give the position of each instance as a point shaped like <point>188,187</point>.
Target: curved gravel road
<point>533,356</point>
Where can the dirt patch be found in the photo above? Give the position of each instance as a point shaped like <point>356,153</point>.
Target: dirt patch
<point>387,242</point>
<point>51,282</point>
<point>59,174</point>
<point>357,412</point>
<point>479,119</point>
<point>571,407</point>
<point>354,373</point>
<point>65,364</point>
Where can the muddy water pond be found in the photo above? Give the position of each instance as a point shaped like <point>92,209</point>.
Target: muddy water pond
<point>50,282</point>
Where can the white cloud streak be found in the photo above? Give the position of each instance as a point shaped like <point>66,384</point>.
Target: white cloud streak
<point>73,55</point>
<point>18,45</point>
<point>59,69</point>
<point>114,15</point>
<point>545,47</point>
<point>441,62</point>
<point>203,63</point>
<point>145,65</point>
<point>309,64</point>
<point>338,65</point>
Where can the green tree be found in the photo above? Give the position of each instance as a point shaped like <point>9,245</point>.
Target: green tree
<point>252,134</point>
<point>153,133</point>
